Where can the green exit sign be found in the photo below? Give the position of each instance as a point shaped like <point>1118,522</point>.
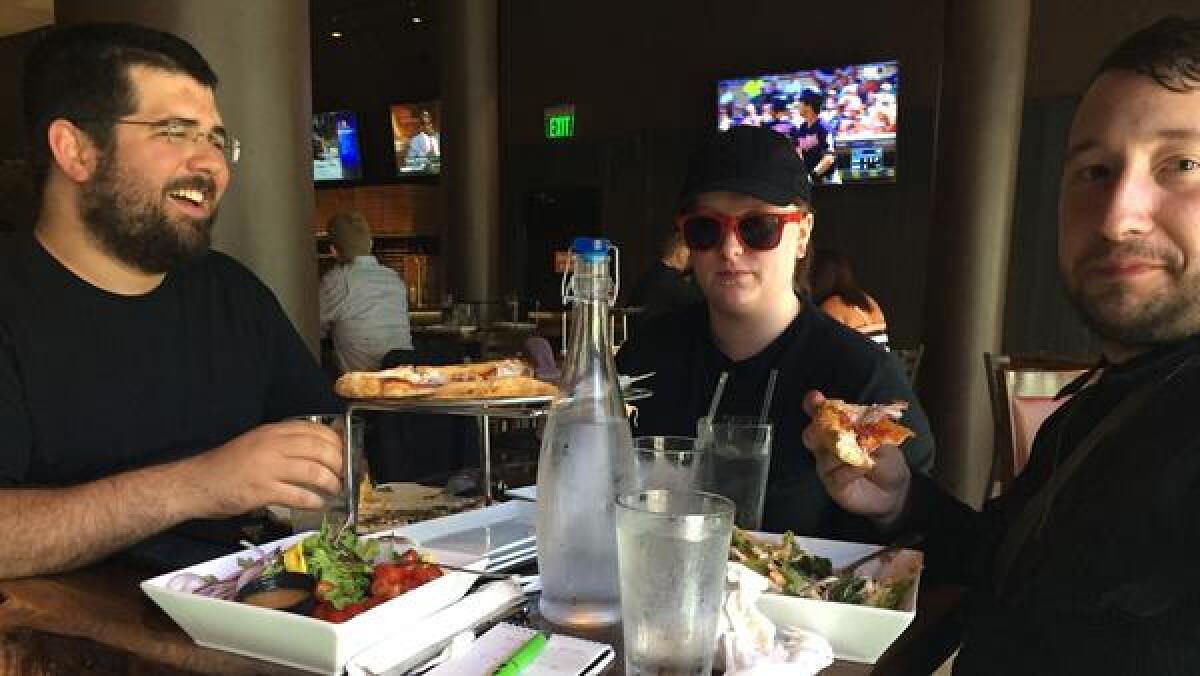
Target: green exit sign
<point>560,122</point>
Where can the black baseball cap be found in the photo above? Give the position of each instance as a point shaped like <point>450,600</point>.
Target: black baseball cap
<point>754,161</point>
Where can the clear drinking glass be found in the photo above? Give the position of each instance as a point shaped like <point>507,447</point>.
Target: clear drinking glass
<point>671,551</point>
<point>339,507</point>
<point>672,463</point>
<point>738,458</point>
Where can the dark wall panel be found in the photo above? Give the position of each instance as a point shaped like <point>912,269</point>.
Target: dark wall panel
<point>643,79</point>
<point>1038,316</point>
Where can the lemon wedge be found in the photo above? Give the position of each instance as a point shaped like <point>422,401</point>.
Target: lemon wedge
<point>293,559</point>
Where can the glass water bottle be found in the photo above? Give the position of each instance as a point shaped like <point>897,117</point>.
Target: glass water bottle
<point>586,456</point>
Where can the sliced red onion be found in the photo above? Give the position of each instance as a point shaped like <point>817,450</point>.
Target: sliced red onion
<point>187,582</point>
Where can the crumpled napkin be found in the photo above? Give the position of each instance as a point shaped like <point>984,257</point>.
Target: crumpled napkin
<point>750,645</point>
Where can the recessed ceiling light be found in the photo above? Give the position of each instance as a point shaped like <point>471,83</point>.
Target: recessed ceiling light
<point>416,19</point>
<point>335,34</point>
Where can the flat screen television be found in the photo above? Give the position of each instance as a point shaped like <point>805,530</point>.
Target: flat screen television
<point>848,112</point>
<point>417,139</point>
<point>336,149</point>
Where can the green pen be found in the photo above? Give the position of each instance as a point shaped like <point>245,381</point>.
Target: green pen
<point>524,656</point>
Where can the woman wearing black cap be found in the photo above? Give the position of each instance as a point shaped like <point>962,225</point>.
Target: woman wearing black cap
<point>745,214</point>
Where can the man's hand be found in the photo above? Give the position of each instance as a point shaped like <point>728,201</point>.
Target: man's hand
<point>878,493</point>
<point>294,464</point>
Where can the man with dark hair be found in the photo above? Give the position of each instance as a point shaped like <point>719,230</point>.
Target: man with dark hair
<point>813,139</point>
<point>81,75</point>
<point>745,215</point>
<point>1085,565</point>
<point>140,372</point>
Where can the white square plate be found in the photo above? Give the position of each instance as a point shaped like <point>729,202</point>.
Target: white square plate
<point>296,640</point>
<point>858,633</point>
<point>523,493</point>
<point>488,532</point>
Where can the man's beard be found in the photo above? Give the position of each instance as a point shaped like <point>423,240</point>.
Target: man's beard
<point>1170,315</point>
<point>133,226</point>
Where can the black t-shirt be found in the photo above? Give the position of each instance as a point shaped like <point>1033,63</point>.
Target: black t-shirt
<point>1105,586</point>
<point>813,352</point>
<point>93,383</point>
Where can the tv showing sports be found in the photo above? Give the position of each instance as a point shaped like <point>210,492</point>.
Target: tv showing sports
<point>416,138</point>
<point>336,147</point>
<point>842,120</point>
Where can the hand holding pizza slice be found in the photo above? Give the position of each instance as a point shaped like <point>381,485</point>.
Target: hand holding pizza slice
<point>856,431</point>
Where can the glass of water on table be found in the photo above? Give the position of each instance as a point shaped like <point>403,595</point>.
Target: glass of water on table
<point>337,508</point>
<point>737,456</point>
<point>668,462</point>
<point>671,552</point>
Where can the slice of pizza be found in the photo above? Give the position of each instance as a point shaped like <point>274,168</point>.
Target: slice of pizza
<point>419,381</point>
<point>395,383</point>
<point>856,431</point>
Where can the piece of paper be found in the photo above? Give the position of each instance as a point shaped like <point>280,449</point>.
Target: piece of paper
<point>562,656</point>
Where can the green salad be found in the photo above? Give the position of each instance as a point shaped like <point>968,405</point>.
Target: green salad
<point>793,571</point>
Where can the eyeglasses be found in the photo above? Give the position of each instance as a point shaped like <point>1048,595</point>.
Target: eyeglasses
<point>760,231</point>
<point>176,130</point>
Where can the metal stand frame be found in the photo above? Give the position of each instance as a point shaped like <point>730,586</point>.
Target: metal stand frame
<point>512,408</point>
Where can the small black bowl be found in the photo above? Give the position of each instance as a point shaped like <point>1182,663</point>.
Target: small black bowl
<point>279,592</point>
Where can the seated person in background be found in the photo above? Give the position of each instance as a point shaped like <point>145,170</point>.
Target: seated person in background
<point>141,373</point>
<point>364,304</point>
<point>665,286</point>
<point>746,216</point>
<point>835,290</point>
<point>1086,564</point>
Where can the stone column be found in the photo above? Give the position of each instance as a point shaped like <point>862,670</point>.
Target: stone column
<point>470,152</point>
<point>978,132</point>
<point>260,51</point>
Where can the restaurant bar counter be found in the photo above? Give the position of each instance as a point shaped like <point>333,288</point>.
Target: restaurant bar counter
<point>97,621</point>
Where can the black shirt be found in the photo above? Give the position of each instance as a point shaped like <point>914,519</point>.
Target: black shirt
<point>94,383</point>
<point>813,352</point>
<point>1106,586</point>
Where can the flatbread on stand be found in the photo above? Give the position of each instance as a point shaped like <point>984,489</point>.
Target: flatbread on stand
<point>482,380</point>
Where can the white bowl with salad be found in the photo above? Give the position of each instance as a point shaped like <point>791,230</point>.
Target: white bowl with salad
<point>368,588</point>
<point>860,613</point>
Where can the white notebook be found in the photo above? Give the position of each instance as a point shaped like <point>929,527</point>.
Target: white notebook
<point>562,656</point>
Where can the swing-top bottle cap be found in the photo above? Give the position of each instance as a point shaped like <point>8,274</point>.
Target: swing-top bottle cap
<point>591,249</point>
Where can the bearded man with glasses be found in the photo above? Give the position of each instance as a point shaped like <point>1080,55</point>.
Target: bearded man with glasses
<point>141,373</point>
<point>746,216</point>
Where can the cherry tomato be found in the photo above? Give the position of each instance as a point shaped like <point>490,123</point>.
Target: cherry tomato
<point>326,611</point>
<point>390,580</point>
<point>358,607</point>
<point>425,572</point>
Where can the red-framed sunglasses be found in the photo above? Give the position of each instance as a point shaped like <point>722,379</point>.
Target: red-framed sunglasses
<point>760,231</point>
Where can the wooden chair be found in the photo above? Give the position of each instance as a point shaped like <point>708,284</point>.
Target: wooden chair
<point>1022,390</point>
